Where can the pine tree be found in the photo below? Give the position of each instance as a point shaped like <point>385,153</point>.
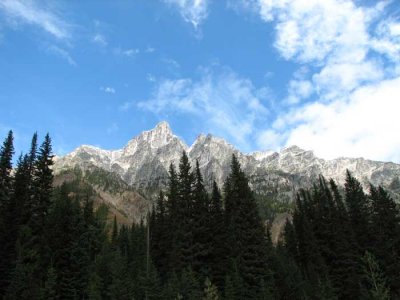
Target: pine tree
<point>93,288</point>
<point>160,243</point>
<point>189,285</point>
<point>217,232</point>
<point>25,284</point>
<point>7,240</point>
<point>376,281</point>
<point>357,205</point>
<point>202,246</point>
<point>345,267</point>
<point>184,230</point>
<point>43,179</point>
<point>246,232</point>
<point>385,227</point>
<point>210,291</point>
<point>172,220</point>
<point>120,287</point>
<point>114,234</point>
<point>49,291</point>
<point>41,203</point>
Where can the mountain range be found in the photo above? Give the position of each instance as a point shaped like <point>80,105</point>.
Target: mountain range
<point>144,162</point>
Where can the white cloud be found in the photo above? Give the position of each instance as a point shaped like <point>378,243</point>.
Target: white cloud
<point>269,139</point>
<point>108,89</point>
<point>64,54</point>
<point>345,103</point>
<point>100,39</point>
<point>192,11</point>
<point>30,12</point>
<point>131,52</point>
<point>366,124</point>
<point>150,49</point>
<point>298,89</point>
<point>222,102</point>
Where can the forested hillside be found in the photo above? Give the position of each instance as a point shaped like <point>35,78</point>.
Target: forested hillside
<point>342,242</point>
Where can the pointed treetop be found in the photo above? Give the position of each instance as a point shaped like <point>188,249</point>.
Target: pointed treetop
<point>6,153</point>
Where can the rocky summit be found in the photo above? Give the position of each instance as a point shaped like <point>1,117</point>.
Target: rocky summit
<point>143,163</point>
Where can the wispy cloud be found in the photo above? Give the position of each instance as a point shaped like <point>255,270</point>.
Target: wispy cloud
<point>130,52</point>
<point>150,49</point>
<point>108,89</point>
<point>222,101</point>
<point>126,106</point>
<point>341,105</point>
<point>64,54</point>
<point>38,14</point>
<point>150,77</point>
<point>192,11</point>
<point>99,39</point>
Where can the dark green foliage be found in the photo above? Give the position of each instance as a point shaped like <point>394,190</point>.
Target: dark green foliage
<point>189,285</point>
<point>385,227</point>
<point>246,234</point>
<point>55,245</point>
<point>358,210</point>
<point>217,235</point>
<point>49,291</point>
<point>202,242</point>
<point>7,209</point>
<point>376,281</point>
<point>210,291</point>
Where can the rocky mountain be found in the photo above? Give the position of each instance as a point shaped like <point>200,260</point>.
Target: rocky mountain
<point>143,163</point>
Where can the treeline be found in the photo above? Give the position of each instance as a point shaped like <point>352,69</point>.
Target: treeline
<point>341,243</point>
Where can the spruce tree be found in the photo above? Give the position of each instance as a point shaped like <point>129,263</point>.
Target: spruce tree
<point>160,242</point>
<point>217,232</point>
<point>184,231</point>
<point>202,246</point>
<point>210,291</point>
<point>246,233</point>
<point>7,237</point>
<point>385,227</point>
<point>358,210</point>
<point>377,288</point>
<point>49,291</point>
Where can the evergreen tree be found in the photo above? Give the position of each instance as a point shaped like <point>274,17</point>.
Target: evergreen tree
<point>217,234</point>
<point>25,284</point>
<point>184,231</point>
<point>114,234</point>
<point>202,246</point>
<point>246,232</point>
<point>189,285</point>
<point>93,289</point>
<point>160,242</point>
<point>376,281</point>
<point>385,227</point>
<point>7,240</point>
<point>210,291</point>
<point>357,205</point>
<point>345,266</point>
<point>49,291</point>
<point>43,179</point>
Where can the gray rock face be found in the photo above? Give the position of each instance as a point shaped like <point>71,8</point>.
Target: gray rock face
<point>144,162</point>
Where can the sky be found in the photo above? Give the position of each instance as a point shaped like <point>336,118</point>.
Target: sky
<point>263,74</point>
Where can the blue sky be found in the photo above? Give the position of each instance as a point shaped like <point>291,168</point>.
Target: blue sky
<point>263,74</point>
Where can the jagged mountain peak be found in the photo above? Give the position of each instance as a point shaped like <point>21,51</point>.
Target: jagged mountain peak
<point>159,136</point>
<point>292,149</point>
<point>145,160</point>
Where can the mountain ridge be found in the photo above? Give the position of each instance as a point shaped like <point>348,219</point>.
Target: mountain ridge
<point>144,161</point>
